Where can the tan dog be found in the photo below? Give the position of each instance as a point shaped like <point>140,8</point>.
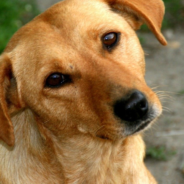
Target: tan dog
<point>73,96</point>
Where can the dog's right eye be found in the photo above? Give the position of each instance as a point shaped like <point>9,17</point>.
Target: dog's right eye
<point>56,80</point>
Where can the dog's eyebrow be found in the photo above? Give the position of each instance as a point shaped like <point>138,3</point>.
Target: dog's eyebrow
<point>56,65</point>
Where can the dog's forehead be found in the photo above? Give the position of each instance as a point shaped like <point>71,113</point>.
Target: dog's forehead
<point>88,15</point>
<point>63,26</point>
<point>75,10</point>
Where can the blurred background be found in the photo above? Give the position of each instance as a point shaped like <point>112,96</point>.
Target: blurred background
<point>165,74</point>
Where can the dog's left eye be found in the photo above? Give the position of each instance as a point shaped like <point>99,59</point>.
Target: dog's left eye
<point>110,40</point>
<point>56,80</point>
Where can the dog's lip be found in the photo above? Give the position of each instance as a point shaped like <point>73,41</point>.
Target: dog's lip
<point>103,137</point>
<point>143,126</point>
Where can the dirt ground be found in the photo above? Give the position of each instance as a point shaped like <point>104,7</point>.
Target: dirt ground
<point>165,73</point>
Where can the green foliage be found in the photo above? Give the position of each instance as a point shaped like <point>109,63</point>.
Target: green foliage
<point>159,153</point>
<point>180,93</point>
<point>14,14</point>
<point>174,15</point>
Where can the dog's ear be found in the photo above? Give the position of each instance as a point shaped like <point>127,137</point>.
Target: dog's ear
<point>150,12</point>
<point>6,127</point>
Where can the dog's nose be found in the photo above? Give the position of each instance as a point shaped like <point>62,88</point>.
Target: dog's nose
<point>132,108</point>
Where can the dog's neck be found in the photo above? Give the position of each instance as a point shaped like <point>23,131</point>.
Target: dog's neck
<point>81,155</point>
<point>78,159</point>
<point>90,160</point>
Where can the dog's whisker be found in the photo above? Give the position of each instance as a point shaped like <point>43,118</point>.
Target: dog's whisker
<point>165,109</point>
<point>160,91</point>
<point>154,88</point>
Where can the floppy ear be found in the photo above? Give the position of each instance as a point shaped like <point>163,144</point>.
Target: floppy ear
<point>6,127</point>
<point>150,12</point>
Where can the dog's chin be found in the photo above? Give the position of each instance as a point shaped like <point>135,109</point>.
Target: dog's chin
<point>135,129</point>
<point>129,129</point>
<point>125,131</point>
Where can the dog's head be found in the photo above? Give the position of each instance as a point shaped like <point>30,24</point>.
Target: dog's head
<point>79,68</point>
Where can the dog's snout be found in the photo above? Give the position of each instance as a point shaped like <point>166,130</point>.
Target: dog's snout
<point>132,108</point>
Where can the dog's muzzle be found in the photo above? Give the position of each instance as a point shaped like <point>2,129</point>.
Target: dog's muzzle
<point>134,111</point>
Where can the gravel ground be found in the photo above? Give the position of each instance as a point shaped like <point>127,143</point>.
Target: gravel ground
<point>165,73</point>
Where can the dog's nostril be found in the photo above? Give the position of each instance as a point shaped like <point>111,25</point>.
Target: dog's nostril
<point>143,106</point>
<point>132,108</point>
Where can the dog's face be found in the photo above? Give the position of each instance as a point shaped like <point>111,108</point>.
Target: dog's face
<point>80,68</point>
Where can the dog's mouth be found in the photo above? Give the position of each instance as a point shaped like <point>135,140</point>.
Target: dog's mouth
<point>136,127</point>
<point>143,126</point>
<point>130,129</point>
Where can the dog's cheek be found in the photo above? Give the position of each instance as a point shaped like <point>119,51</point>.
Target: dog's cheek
<point>59,115</point>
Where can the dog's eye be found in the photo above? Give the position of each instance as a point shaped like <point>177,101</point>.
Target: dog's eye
<point>110,40</point>
<point>56,80</point>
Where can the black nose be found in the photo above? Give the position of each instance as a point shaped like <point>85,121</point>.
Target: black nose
<point>134,107</point>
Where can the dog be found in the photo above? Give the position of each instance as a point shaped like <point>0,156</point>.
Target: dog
<point>73,98</point>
